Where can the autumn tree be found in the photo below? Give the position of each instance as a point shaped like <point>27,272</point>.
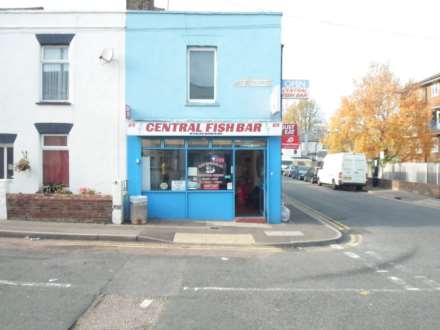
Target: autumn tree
<point>306,114</point>
<point>381,115</point>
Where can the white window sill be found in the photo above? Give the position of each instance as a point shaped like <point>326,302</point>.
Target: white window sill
<point>202,104</point>
<point>53,103</point>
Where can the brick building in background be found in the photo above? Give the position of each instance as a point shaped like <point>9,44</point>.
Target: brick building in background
<point>431,88</point>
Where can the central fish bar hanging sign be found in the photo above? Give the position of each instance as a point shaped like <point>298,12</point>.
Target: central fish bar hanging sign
<point>164,128</point>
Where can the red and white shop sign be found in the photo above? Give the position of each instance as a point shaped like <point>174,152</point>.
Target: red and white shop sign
<point>290,139</point>
<point>153,128</point>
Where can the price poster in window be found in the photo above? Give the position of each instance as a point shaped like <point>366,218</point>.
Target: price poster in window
<point>211,174</point>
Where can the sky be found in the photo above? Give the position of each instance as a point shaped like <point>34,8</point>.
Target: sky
<point>331,43</point>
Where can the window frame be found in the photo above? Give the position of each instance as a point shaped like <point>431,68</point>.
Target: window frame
<point>5,147</point>
<point>437,123</point>
<point>435,89</point>
<point>61,61</point>
<point>188,75</point>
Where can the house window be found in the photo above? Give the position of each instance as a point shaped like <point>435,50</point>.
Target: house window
<point>6,161</point>
<point>201,74</point>
<point>435,145</point>
<point>435,90</point>
<point>438,119</point>
<point>55,73</point>
<point>55,160</point>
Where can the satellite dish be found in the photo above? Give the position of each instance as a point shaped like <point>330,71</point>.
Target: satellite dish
<point>106,55</point>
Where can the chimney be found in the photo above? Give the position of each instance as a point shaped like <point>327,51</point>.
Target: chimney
<point>140,5</point>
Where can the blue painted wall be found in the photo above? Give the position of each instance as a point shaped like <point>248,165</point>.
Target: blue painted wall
<point>248,47</point>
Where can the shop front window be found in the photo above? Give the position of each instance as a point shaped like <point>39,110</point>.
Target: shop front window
<point>209,170</point>
<point>163,170</point>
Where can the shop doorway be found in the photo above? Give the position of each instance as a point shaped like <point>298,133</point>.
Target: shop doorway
<point>249,183</point>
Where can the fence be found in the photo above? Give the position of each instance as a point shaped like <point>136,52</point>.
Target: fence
<point>428,173</point>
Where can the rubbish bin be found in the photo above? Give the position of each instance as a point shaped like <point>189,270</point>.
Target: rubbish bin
<point>138,210</point>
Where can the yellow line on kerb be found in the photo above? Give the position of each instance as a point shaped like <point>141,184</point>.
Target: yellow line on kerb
<point>312,212</point>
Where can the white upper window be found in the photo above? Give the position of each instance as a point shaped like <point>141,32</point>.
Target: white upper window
<point>55,73</point>
<point>201,80</point>
<point>435,90</point>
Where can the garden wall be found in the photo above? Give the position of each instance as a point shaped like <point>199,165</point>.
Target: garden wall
<point>60,208</point>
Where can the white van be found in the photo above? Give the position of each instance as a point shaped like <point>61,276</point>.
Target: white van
<point>344,169</point>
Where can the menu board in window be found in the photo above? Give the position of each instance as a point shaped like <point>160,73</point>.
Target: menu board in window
<point>209,170</point>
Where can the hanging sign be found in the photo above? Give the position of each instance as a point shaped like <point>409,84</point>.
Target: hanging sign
<point>151,128</point>
<point>290,139</point>
<point>295,89</point>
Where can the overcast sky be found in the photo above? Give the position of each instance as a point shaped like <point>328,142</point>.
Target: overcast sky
<point>328,42</point>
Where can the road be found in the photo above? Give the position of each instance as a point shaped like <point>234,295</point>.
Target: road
<point>388,279</point>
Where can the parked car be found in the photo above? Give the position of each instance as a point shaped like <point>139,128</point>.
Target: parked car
<point>312,175</point>
<point>344,169</point>
<point>290,171</point>
<point>301,172</point>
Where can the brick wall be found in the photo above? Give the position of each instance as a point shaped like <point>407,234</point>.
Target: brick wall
<point>62,208</point>
<point>430,190</point>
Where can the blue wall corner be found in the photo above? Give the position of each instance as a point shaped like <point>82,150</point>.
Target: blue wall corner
<point>274,180</point>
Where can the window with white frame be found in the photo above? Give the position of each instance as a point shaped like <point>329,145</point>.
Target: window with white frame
<point>55,73</point>
<point>437,113</point>
<point>6,161</point>
<point>435,145</point>
<point>201,78</point>
<point>435,90</point>
<point>55,160</point>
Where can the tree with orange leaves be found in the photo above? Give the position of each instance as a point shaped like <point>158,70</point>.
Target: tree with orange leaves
<point>381,115</point>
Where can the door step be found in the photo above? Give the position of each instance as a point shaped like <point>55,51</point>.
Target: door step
<point>251,219</point>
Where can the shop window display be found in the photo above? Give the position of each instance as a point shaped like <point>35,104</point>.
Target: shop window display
<point>209,170</point>
<point>163,170</point>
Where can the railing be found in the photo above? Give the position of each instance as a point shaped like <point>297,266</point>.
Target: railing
<point>428,173</point>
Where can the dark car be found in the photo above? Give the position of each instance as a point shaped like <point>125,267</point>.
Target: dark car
<point>301,172</point>
<point>312,175</point>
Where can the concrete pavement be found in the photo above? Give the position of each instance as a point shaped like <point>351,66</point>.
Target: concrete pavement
<point>305,228</point>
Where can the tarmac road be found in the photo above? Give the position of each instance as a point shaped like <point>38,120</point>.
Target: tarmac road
<point>387,278</point>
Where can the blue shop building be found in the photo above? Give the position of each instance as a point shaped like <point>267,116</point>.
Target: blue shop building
<point>204,134</point>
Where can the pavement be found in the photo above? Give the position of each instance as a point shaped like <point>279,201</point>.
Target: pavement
<point>405,197</point>
<point>306,227</point>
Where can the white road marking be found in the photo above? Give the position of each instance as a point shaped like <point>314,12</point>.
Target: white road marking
<point>374,255</point>
<point>401,282</point>
<point>298,290</point>
<point>427,281</point>
<point>225,259</point>
<point>337,247</point>
<point>145,303</point>
<point>352,255</point>
<point>36,284</point>
<point>381,271</point>
<point>283,233</point>
<point>53,280</point>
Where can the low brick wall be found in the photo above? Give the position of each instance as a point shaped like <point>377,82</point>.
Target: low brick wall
<point>429,190</point>
<point>57,207</point>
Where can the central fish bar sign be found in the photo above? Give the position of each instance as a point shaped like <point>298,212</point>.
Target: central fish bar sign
<point>160,128</point>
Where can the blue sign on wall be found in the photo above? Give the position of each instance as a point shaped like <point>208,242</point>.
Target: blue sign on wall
<point>295,89</point>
